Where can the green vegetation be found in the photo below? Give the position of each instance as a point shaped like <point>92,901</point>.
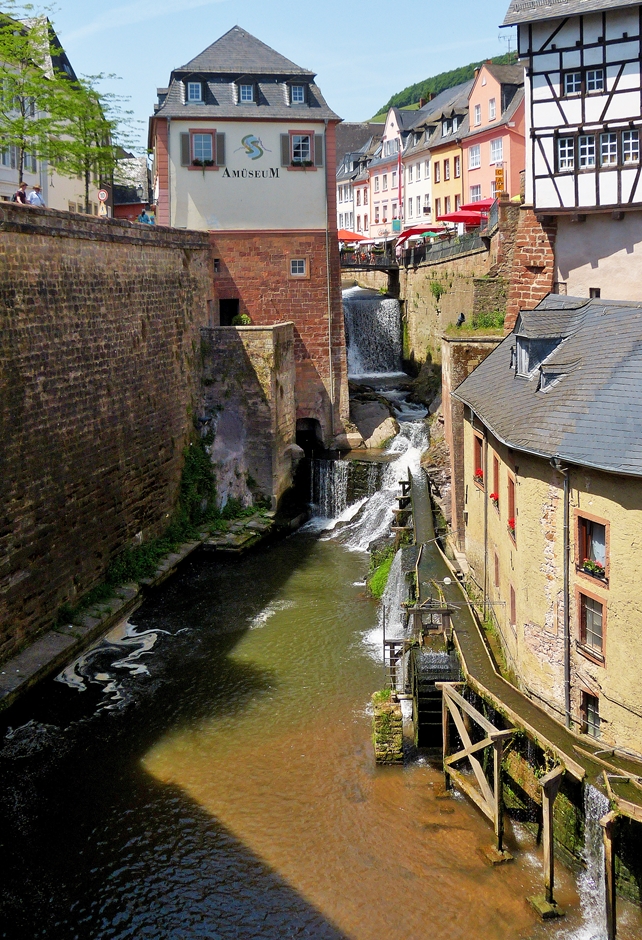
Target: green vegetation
<point>437,289</point>
<point>488,322</point>
<point>437,83</point>
<point>382,696</point>
<point>241,319</point>
<point>380,564</point>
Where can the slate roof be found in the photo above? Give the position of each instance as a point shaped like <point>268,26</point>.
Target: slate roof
<point>506,74</point>
<point>592,415</point>
<point>239,55</point>
<point>529,11</point>
<point>352,136</point>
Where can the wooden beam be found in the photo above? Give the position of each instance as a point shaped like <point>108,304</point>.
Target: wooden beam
<point>550,783</point>
<point>634,779</point>
<point>478,770</point>
<point>465,706</point>
<point>466,787</point>
<point>467,751</point>
<point>609,827</point>
<point>445,730</point>
<point>498,751</point>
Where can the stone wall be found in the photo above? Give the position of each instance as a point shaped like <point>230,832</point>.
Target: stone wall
<point>99,365</point>
<point>249,407</point>
<point>254,268</point>
<point>532,273</point>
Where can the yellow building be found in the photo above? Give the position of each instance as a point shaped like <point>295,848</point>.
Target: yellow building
<point>446,155</point>
<point>553,508</point>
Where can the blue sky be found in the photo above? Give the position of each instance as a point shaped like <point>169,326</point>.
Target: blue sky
<point>362,52</point>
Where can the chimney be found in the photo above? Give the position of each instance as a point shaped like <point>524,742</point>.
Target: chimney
<point>431,95</point>
<point>422,102</point>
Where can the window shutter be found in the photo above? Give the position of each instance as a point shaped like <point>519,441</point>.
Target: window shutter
<point>285,150</point>
<point>318,149</point>
<point>185,155</point>
<point>220,149</point>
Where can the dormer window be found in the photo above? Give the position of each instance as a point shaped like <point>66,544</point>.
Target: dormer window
<point>531,353</point>
<point>246,93</point>
<point>297,94</point>
<point>194,92</point>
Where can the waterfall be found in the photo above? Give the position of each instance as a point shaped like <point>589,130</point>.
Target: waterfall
<point>329,481</point>
<point>590,884</point>
<point>373,332</point>
<point>396,592</point>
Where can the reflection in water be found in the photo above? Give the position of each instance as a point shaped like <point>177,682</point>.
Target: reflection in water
<point>239,798</point>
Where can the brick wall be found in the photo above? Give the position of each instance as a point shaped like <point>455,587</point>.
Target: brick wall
<point>254,268</point>
<point>99,365</point>
<point>248,402</point>
<point>533,265</point>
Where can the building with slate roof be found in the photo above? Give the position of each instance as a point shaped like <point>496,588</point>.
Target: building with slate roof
<point>244,146</point>
<point>553,507</point>
<point>583,126</point>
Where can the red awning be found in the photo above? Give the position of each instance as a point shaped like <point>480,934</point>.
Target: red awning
<point>420,230</point>
<point>345,236</point>
<point>482,205</point>
<point>468,218</point>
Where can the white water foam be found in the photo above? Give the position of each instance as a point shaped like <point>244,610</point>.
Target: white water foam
<point>373,332</point>
<point>590,884</point>
<point>264,615</point>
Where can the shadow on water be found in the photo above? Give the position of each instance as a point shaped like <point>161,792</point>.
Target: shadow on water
<point>91,844</point>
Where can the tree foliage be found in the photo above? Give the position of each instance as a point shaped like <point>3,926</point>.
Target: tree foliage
<point>413,93</point>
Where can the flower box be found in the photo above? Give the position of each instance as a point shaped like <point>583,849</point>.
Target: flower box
<point>511,527</point>
<point>479,476</point>
<point>593,568</point>
<point>494,498</point>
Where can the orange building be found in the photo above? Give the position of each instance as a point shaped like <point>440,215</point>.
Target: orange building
<point>495,137</point>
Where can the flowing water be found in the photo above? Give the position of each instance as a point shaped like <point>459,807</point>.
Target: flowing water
<point>373,332</point>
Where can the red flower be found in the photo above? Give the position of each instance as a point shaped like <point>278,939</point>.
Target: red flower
<point>479,474</point>
<point>495,497</point>
<point>511,524</point>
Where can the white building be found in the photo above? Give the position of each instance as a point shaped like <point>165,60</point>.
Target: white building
<point>583,125</point>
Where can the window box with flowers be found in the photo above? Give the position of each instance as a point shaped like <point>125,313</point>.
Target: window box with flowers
<point>478,477</point>
<point>511,527</point>
<point>594,568</point>
<point>494,498</point>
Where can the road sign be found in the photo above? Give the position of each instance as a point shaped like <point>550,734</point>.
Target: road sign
<point>103,195</point>
<point>499,179</point>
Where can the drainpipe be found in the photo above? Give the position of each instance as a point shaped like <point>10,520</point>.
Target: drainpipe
<point>169,175</point>
<point>556,463</point>
<point>486,484</point>
<point>328,281</point>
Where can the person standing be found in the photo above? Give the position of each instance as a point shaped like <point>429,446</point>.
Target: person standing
<point>20,194</point>
<point>35,197</point>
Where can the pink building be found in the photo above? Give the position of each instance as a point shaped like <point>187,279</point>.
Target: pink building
<point>496,135</point>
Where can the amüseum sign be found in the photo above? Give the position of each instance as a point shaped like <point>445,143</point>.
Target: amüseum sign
<point>269,174</point>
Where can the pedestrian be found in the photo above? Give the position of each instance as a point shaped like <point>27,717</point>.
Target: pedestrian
<point>35,197</point>
<point>145,218</point>
<point>20,194</point>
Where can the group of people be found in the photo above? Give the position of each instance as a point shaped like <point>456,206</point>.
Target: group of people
<point>34,198</point>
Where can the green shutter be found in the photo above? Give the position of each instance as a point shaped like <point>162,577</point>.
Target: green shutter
<point>185,154</point>
<point>220,149</point>
<point>285,150</point>
<point>318,149</point>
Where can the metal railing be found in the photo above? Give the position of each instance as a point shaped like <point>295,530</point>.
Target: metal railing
<point>458,245</point>
<point>493,219</point>
<point>361,258</point>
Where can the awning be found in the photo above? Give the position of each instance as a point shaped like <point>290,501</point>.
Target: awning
<point>420,230</point>
<point>345,236</point>
<point>482,205</point>
<point>468,218</point>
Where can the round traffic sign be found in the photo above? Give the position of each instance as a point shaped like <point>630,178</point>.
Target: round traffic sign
<point>103,195</point>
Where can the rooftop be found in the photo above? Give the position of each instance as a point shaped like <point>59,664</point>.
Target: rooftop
<point>529,11</point>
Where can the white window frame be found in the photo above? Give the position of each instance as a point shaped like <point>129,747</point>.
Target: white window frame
<point>492,109</point>
<point>410,171</point>
<point>298,267</point>
<point>474,157</point>
<point>475,193</point>
<point>198,141</point>
<point>426,169</point>
<point>246,94</point>
<point>572,83</point>
<point>298,148</point>
<point>565,154</point>
<point>418,172</point>
<point>477,113</point>
<point>497,151</point>
<point>608,149</point>
<point>630,147</point>
<point>194,92</point>
<point>586,151</point>
<point>376,183</point>
<point>594,81</point>
<point>297,94</point>
<point>410,207</point>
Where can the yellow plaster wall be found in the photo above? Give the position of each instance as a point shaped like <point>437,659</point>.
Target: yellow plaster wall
<point>533,564</point>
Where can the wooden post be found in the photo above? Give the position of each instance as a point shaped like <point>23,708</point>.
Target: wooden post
<point>445,726</point>
<point>550,787</point>
<point>498,753</point>
<point>609,826</point>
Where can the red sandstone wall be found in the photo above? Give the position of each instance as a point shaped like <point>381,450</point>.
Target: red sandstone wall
<point>99,363</point>
<point>254,268</point>
<point>533,270</point>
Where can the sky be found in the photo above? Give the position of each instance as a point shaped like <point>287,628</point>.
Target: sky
<point>362,52</point>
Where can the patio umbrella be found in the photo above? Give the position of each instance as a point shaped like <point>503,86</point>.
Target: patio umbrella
<point>482,205</point>
<point>345,236</point>
<point>462,215</point>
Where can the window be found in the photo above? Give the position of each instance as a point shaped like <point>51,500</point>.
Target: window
<point>376,218</point>
<point>474,157</point>
<point>341,220</point>
<point>493,189</point>
<point>608,149</point>
<point>394,179</point>
<point>410,174</point>
<point>572,83</point>
<point>358,223</point>
<point>418,204</point>
<point>586,150</point>
<point>358,197</point>
<point>590,715</point>
<point>492,109</point>
<point>202,147</point>
<point>496,572</point>
<point>194,91</point>
<point>446,128</point>
<point>437,208</point>
<point>447,205</point>
<point>456,122</point>
<point>384,212</point>
<point>446,169</point>
<point>426,203</point>
<point>595,80</point>
<point>495,494</point>
<point>410,207</point>
<point>477,114</point>
<point>496,150</point>
<point>437,172</point>
<point>301,148</point>
<point>385,182</point>
<point>595,293</point>
<point>298,267</point>
<point>591,623</point>
<point>365,197</point>
<point>30,163</point>
<point>513,607</point>
<point>510,506</point>
<point>297,94</point>
<point>591,546</point>
<point>376,184</point>
<point>246,93</point>
<point>457,202</point>
<point>566,153</point>
<point>427,170</point>
<point>72,206</point>
<point>365,223</point>
<point>457,167</point>
<point>395,212</point>
<point>418,172</point>
<point>475,193</point>
<point>630,147</point>
<point>478,459</point>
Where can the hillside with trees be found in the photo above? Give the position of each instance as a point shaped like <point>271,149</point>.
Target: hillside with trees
<point>413,93</point>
